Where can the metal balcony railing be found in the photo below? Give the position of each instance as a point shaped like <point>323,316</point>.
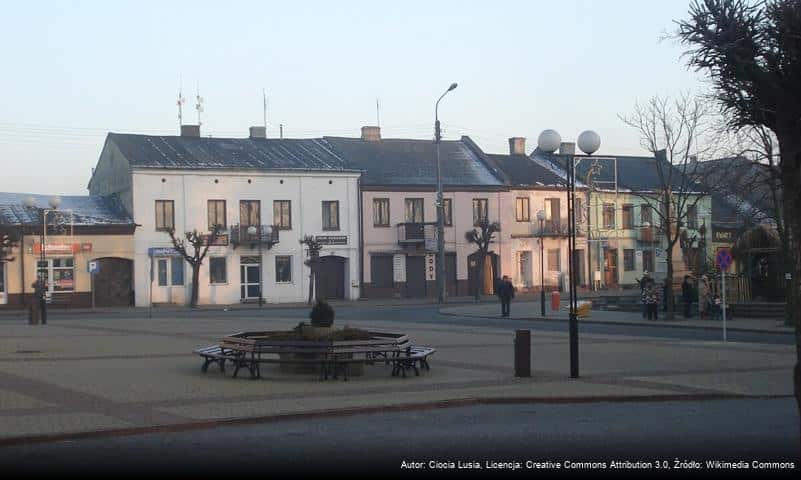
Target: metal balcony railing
<point>265,234</point>
<point>415,232</point>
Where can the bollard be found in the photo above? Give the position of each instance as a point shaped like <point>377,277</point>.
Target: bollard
<point>522,353</point>
<point>555,301</point>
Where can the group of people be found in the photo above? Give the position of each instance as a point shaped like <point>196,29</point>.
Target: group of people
<point>709,303</point>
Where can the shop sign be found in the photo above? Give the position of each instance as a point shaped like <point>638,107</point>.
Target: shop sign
<point>431,266</point>
<point>331,239</point>
<point>57,248</point>
<point>162,252</point>
<point>724,235</point>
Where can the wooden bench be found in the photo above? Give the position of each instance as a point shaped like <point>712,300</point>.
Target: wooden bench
<point>410,359</point>
<point>216,354</point>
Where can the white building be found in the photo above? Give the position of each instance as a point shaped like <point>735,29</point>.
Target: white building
<point>285,188</point>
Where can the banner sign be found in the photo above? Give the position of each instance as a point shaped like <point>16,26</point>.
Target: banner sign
<point>163,252</point>
<point>57,248</point>
<point>431,266</point>
<point>331,239</point>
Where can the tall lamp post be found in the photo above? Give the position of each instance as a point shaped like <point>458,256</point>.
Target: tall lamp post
<point>42,268</point>
<point>440,216</point>
<point>541,218</point>
<point>589,142</point>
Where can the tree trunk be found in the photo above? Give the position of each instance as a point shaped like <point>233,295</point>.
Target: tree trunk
<point>195,285</point>
<point>671,307</point>
<point>311,287</point>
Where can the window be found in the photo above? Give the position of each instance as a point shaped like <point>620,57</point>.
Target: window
<point>216,209</point>
<point>217,271</point>
<point>380,212</point>
<point>553,214</point>
<point>692,217</point>
<point>249,213</point>
<point>627,216</point>
<point>554,260</point>
<point>522,211</point>
<point>480,210</point>
<point>447,212</point>
<point>648,261</point>
<point>414,210</point>
<point>282,214</point>
<point>162,271</point>
<point>646,215</point>
<point>628,260</point>
<point>165,215</point>
<point>609,215</point>
<point>177,270</point>
<point>331,215</point>
<point>61,270</point>
<point>283,269</point>
<point>381,271</point>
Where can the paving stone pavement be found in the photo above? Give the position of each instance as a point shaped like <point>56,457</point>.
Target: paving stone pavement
<point>111,374</point>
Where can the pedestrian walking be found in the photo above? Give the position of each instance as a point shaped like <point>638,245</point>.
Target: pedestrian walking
<point>650,300</point>
<point>643,282</point>
<point>687,295</point>
<point>506,292</point>
<point>704,297</point>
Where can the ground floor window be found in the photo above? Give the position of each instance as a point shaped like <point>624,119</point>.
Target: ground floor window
<point>648,261</point>
<point>217,270</point>
<point>61,270</point>
<point>283,269</point>
<point>628,260</point>
<point>170,271</point>
<point>553,261</point>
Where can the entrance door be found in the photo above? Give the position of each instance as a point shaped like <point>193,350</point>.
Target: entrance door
<point>168,280</point>
<point>610,268</point>
<point>415,276</point>
<point>249,274</point>
<point>474,273</point>
<point>113,282</point>
<point>330,282</point>
<point>451,285</point>
<point>524,269</point>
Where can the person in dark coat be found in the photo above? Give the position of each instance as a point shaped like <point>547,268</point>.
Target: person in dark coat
<point>506,292</point>
<point>687,291</point>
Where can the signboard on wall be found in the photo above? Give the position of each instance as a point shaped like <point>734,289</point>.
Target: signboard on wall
<point>57,248</point>
<point>331,239</point>
<point>431,266</point>
<point>162,252</point>
<point>399,268</point>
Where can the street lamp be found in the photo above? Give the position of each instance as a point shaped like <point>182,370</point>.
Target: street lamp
<point>702,246</point>
<point>541,218</point>
<point>41,213</point>
<point>589,142</point>
<point>252,232</point>
<point>440,216</point>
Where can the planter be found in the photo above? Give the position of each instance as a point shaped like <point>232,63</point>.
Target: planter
<point>317,332</point>
<point>355,369</point>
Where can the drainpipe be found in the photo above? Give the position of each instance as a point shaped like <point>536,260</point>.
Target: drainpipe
<point>22,259</point>
<point>361,237</point>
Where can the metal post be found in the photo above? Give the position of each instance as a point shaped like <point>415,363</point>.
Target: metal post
<point>43,261</point>
<point>261,269</point>
<point>542,271</point>
<point>440,216</point>
<point>571,246</point>
<point>723,272</point>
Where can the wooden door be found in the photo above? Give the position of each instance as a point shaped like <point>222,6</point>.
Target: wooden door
<point>610,268</point>
<point>114,283</point>
<point>330,282</point>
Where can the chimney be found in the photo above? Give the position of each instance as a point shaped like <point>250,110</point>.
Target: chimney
<point>567,148</point>
<point>371,134</point>
<point>190,131</point>
<point>258,132</point>
<point>517,146</point>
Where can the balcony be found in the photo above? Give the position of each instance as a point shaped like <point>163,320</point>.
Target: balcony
<point>550,228</point>
<point>415,233</point>
<point>648,234</point>
<point>265,234</point>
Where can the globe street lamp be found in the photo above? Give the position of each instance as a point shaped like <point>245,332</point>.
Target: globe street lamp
<point>440,216</point>
<point>41,286</point>
<point>541,218</point>
<point>589,142</point>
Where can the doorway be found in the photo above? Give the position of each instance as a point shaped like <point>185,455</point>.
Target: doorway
<point>524,268</point>
<point>169,280</point>
<point>249,275</point>
<point>330,279</point>
<point>415,276</point>
<point>610,268</point>
<point>474,280</point>
<point>113,283</point>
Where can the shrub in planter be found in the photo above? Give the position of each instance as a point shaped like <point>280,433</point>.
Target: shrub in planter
<point>322,314</point>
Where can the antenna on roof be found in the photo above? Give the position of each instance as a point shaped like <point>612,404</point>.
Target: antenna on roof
<point>180,103</point>
<point>281,130</point>
<point>377,114</point>
<point>264,96</point>
<point>199,105</point>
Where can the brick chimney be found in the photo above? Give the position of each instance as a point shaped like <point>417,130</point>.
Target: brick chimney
<point>258,132</point>
<point>567,148</point>
<point>517,146</point>
<point>371,134</point>
<point>190,131</point>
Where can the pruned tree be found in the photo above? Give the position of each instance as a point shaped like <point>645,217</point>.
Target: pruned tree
<point>7,244</point>
<point>194,247</point>
<point>752,54</point>
<point>312,261</point>
<point>482,236</point>
<point>670,130</point>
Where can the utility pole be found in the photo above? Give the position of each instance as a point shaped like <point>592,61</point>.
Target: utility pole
<point>440,209</point>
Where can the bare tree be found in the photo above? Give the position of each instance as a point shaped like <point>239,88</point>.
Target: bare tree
<point>199,244</point>
<point>312,261</point>
<point>482,236</point>
<point>670,130</point>
<point>752,55</point>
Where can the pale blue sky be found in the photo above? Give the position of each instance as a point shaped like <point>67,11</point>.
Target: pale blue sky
<point>74,70</point>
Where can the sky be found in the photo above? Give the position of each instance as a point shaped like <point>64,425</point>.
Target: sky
<point>73,71</point>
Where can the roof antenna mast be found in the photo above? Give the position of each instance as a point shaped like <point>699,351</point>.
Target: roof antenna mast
<point>199,105</point>
<point>264,97</point>
<point>377,114</point>
<point>180,103</point>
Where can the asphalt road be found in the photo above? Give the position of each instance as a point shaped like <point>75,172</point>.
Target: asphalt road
<point>692,431</point>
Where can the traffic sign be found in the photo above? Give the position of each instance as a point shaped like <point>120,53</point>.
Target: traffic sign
<point>94,267</point>
<point>723,259</point>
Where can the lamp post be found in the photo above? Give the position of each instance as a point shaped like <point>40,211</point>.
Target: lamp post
<point>541,218</point>
<point>702,246</point>
<point>589,142</point>
<point>440,216</point>
<point>42,267</point>
<point>253,231</point>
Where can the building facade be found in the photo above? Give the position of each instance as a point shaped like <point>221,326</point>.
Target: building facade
<point>80,231</point>
<point>261,195</point>
<point>398,203</point>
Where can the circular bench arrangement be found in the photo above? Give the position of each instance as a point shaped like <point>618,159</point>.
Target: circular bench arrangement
<point>329,357</point>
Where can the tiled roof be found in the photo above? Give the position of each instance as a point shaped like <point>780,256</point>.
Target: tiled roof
<point>521,170</point>
<point>412,162</point>
<point>86,210</point>
<point>176,152</point>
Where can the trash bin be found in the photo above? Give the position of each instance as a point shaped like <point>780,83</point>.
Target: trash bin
<point>554,301</point>
<point>522,353</point>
